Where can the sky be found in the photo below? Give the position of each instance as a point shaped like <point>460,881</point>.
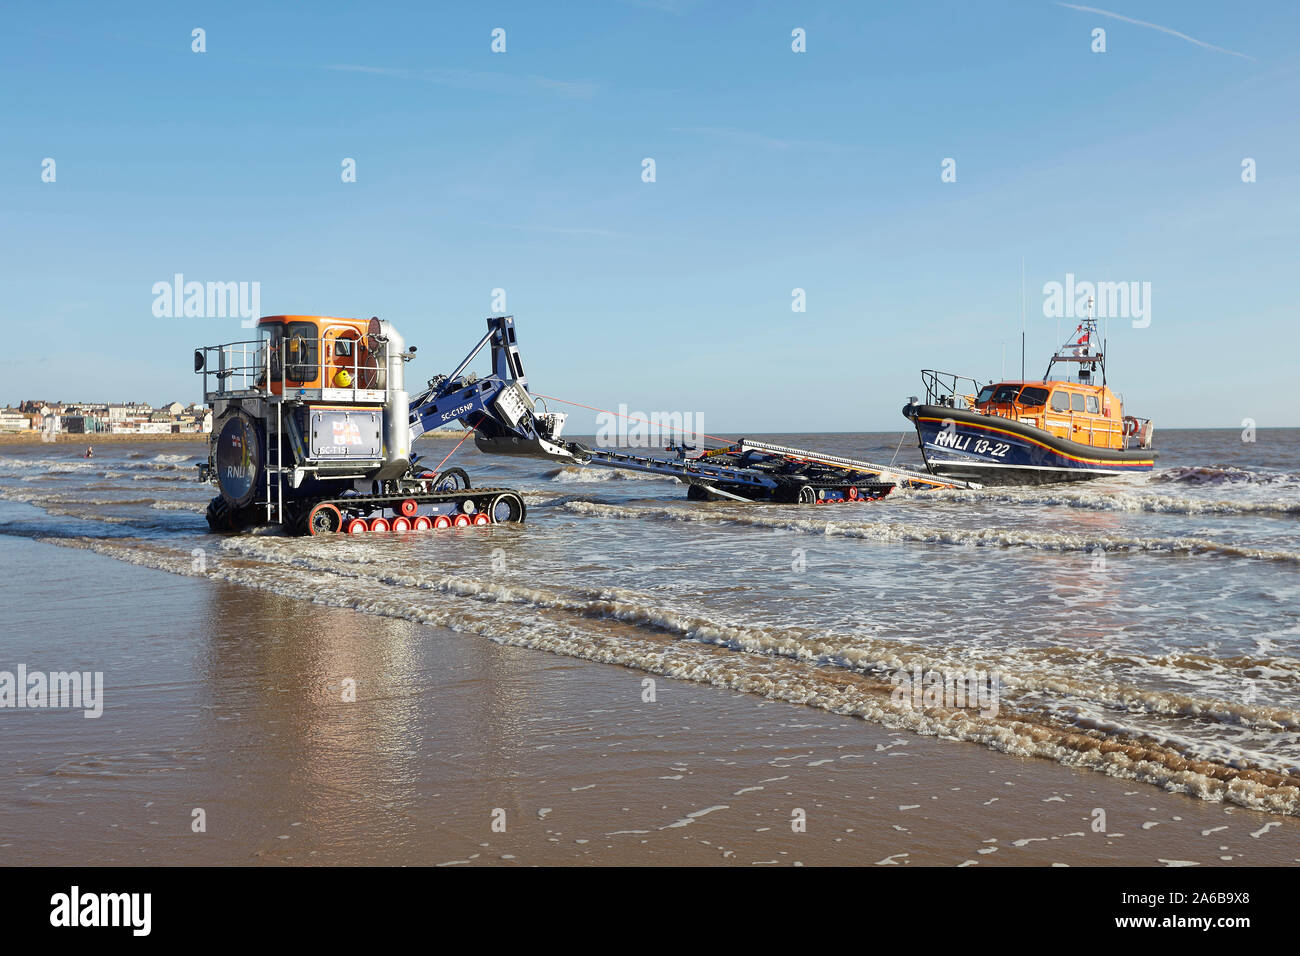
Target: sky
<point>774,170</point>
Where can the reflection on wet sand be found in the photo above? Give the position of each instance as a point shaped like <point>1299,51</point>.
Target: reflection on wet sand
<point>339,711</point>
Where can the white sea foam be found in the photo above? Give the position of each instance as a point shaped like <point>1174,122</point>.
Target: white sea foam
<point>589,473</point>
<point>898,532</point>
<point>1121,500</point>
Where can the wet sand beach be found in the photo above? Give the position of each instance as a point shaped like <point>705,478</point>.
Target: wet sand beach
<point>230,700</point>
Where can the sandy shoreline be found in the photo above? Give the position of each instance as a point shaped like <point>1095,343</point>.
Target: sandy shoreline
<point>229,700</point>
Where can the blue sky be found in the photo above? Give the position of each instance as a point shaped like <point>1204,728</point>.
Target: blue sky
<point>774,170</point>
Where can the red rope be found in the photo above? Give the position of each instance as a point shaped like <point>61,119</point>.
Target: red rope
<point>453,451</point>
<point>458,444</point>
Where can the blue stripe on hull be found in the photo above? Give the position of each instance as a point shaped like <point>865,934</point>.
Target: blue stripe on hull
<point>961,450</point>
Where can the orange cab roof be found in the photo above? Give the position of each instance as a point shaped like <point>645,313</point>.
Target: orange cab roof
<point>305,318</point>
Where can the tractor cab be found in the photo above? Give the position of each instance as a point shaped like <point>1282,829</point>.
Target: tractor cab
<point>308,352</point>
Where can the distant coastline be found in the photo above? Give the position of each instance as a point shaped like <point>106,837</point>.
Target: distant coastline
<point>107,438</point>
<point>95,438</point>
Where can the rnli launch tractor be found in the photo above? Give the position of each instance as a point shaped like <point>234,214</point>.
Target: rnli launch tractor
<point>312,429</point>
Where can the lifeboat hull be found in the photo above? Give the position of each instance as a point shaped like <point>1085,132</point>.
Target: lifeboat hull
<point>999,451</point>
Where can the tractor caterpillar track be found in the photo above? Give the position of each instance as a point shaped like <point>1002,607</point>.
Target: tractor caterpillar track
<point>411,511</point>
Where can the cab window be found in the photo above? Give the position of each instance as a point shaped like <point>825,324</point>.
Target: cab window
<point>1093,405</point>
<point>300,347</point>
<point>1060,401</point>
<point>1033,397</point>
<point>274,336</point>
<point>1076,402</point>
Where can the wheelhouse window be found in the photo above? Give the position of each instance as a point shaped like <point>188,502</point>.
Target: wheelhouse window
<point>1033,397</point>
<point>985,394</point>
<point>1076,402</point>
<point>1094,406</point>
<point>1005,394</point>
<point>1060,401</point>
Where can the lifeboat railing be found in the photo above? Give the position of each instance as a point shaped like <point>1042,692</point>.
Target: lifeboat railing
<point>944,389</point>
<point>1138,433</point>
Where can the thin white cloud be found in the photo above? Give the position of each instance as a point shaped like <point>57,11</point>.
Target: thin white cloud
<point>1155,26</point>
<point>471,80</point>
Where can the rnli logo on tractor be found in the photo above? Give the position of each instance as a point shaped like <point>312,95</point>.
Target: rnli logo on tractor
<point>346,433</point>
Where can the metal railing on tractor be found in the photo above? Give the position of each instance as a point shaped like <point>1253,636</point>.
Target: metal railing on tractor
<point>251,369</point>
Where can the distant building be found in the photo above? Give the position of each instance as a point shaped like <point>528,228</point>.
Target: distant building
<point>13,420</point>
<point>118,418</point>
<point>129,412</point>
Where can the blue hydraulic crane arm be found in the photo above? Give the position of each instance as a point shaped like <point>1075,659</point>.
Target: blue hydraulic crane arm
<point>497,407</point>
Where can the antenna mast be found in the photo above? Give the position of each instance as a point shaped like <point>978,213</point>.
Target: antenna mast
<point>1022,318</point>
<point>1080,348</point>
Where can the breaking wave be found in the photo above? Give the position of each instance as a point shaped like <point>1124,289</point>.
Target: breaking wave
<point>897,532</point>
<point>1223,475</point>
<point>1126,501</point>
<point>579,473</point>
